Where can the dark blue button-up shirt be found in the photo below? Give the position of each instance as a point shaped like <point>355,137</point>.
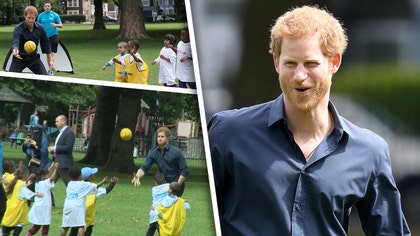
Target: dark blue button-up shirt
<point>171,162</point>
<point>21,34</point>
<point>264,185</point>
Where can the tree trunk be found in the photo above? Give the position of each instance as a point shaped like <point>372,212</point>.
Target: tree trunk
<point>99,19</point>
<point>181,13</point>
<point>103,126</point>
<point>120,157</point>
<point>131,20</point>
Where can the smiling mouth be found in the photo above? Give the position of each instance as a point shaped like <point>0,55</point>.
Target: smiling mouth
<point>302,89</point>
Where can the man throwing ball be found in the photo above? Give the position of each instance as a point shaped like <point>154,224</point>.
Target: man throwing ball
<point>23,32</point>
<point>169,159</point>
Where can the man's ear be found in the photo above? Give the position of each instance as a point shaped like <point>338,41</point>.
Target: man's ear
<point>276,62</point>
<point>335,63</point>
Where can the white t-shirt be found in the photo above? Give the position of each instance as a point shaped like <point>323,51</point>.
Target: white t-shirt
<point>74,210</point>
<point>184,70</point>
<point>40,213</point>
<point>158,193</point>
<point>167,68</point>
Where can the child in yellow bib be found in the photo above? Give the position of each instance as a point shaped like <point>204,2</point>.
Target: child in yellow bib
<point>16,215</point>
<point>119,68</point>
<point>172,212</point>
<point>136,70</point>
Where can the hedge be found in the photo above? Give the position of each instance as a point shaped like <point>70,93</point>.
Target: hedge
<point>384,87</point>
<point>73,18</point>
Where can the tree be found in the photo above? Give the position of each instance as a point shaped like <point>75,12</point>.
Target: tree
<point>55,6</point>
<point>48,94</point>
<point>103,126</point>
<point>131,20</point>
<point>181,13</point>
<point>120,157</point>
<point>106,148</point>
<point>99,20</point>
<point>10,10</point>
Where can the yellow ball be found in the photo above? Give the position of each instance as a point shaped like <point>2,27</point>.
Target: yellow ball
<point>125,134</point>
<point>29,46</point>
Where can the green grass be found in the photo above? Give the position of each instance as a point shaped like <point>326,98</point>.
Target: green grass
<point>125,211</point>
<point>89,49</point>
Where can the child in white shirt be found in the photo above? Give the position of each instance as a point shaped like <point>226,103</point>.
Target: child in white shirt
<point>40,213</point>
<point>159,191</point>
<point>167,61</point>
<point>74,210</point>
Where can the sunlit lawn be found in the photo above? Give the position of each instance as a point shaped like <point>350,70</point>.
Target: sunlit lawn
<point>89,49</point>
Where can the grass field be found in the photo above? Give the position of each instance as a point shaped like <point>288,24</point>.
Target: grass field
<point>125,211</point>
<point>89,49</point>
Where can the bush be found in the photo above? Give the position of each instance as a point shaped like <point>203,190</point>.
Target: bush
<point>390,87</point>
<point>73,18</point>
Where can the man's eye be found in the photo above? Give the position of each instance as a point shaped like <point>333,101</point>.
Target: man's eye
<point>290,63</point>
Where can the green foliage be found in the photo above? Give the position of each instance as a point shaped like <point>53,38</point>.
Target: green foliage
<point>11,10</point>
<point>385,90</point>
<point>172,106</point>
<point>76,18</point>
<point>55,6</point>
<point>57,96</point>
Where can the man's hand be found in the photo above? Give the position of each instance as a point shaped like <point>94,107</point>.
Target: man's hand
<point>105,179</point>
<point>136,180</point>
<point>16,53</point>
<point>52,67</point>
<point>114,179</point>
<point>51,62</point>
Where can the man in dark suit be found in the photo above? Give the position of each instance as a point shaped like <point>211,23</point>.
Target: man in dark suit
<point>63,148</point>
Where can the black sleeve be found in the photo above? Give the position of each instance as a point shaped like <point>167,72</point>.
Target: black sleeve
<point>110,187</point>
<point>24,147</point>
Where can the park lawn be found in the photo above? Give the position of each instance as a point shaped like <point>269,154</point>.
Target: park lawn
<point>125,211</point>
<point>90,49</point>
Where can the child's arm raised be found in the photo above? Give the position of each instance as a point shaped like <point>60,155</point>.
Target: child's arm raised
<point>54,173</point>
<point>104,180</point>
<point>137,59</point>
<point>114,180</point>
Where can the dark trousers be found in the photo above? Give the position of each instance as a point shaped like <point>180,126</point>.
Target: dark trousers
<point>3,200</point>
<point>54,43</point>
<point>64,174</point>
<point>152,229</point>
<point>192,85</point>
<point>34,63</point>
<point>16,230</point>
<point>182,189</point>
<point>88,231</point>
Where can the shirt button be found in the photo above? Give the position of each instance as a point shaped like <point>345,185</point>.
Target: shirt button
<point>297,207</point>
<point>303,171</point>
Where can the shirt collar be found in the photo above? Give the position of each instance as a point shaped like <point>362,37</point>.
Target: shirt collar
<point>26,26</point>
<point>276,111</point>
<point>62,129</point>
<point>277,114</point>
<point>165,148</point>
